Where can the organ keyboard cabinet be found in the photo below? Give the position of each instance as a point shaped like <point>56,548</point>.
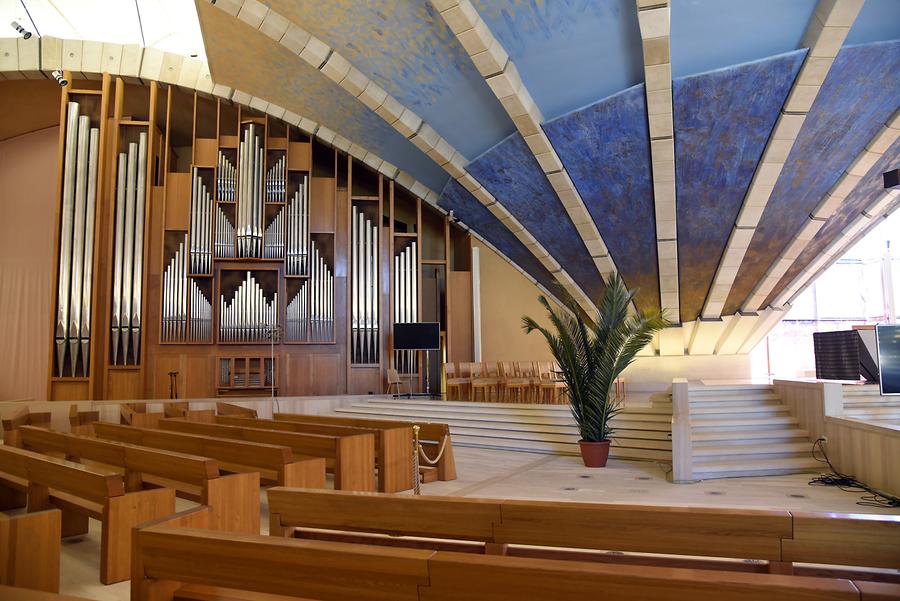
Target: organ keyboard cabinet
<point>192,229</point>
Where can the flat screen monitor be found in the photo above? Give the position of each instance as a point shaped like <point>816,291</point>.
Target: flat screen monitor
<point>888,339</point>
<point>423,336</point>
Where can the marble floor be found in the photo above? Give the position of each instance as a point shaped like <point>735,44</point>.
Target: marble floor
<point>501,474</point>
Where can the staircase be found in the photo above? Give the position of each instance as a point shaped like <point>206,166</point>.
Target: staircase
<point>745,431</point>
<point>866,403</point>
<point>643,431</point>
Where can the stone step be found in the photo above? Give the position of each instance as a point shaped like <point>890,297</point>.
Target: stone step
<point>506,408</point>
<point>742,467</point>
<point>556,448</point>
<point>728,411</point>
<point>752,448</point>
<point>727,437</point>
<point>740,424</point>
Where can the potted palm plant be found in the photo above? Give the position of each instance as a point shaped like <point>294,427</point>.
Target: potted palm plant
<point>591,355</point>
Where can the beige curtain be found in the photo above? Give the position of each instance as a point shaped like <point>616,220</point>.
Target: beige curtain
<point>28,179</point>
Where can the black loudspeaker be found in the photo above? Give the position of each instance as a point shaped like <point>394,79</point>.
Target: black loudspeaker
<point>892,179</point>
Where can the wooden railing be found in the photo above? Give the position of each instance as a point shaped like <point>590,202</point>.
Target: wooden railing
<point>682,446</point>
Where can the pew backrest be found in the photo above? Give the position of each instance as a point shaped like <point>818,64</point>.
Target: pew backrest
<point>29,550</point>
<point>435,431</point>
<point>172,465</point>
<point>66,476</point>
<point>867,540</point>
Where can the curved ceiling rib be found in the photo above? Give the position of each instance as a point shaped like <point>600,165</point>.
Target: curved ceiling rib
<point>825,33</point>
<point>492,61</point>
<point>654,20</point>
<point>406,122</point>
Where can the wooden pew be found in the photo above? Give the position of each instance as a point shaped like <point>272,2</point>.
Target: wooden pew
<point>29,550</point>
<point>81,493</point>
<point>353,457</point>
<point>22,417</point>
<point>273,462</point>
<point>233,499</point>
<point>232,409</point>
<point>81,422</point>
<point>393,450</point>
<point>183,409</point>
<point>136,414</point>
<point>434,436</point>
<point>779,537</point>
<point>11,593</point>
<point>187,564</point>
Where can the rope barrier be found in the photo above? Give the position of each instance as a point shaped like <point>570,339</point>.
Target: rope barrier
<point>418,452</point>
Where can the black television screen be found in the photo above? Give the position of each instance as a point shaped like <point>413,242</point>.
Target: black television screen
<point>417,336</point>
<point>843,355</point>
<point>888,339</point>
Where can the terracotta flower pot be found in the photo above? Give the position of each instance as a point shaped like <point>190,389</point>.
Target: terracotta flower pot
<point>594,454</point>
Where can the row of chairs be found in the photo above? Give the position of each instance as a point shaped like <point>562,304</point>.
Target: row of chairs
<point>506,382</point>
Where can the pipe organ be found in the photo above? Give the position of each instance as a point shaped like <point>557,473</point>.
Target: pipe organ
<point>224,235</point>
<point>175,297</point>
<point>275,181</point>
<point>128,254</point>
<point>273,244</point>
<point>201,230</point>
<point>406,301</point>
<point>226,176</point>
<point>364,288</point>
<point>76,245</point>
<point>310,313</point>
<point>257,234</point>
<point>251,156</point>
<point>298,231</point>
<point>249,316</point>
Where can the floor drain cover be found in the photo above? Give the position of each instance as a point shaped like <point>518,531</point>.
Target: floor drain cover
<point>796,496</point>
<point>715,493</point>
<point>569,488</point>
<point>585,476</point>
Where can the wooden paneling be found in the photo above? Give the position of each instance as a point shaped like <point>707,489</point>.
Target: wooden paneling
<point>460,335</point>
<point>178,201</point>
<point>366,380</point>
<point>299,156</point>
<point>124,384</point>
<point>321,205</point>
<point>313,374</point>
<point>69,390</point>
<point>29,550</point>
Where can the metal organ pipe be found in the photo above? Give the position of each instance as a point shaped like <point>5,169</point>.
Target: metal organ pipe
<point>175,302</point>
<point>76,244</point>
<point>129,253</point>
<point>275,181</point>
<point>251,157</point>
<point>364,304</point>
<point>224,235</point>
<point>274,237</point>
<point>225,178</point>
<point>298,239</point>
<point>248,317</point>
<point>406,301</point>
<point>201,217</point>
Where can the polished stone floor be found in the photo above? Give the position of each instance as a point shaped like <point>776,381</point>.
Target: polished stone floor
<point>501,474</point>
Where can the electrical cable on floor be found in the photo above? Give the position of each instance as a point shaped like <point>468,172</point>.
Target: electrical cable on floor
<point>849,483</point>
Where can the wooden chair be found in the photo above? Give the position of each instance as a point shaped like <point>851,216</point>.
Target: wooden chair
<point>433,436</point>
<point>552,388</point>
<point>393,459</point>
<point>233,499</point>
<point>274,463</point>
<point>486,379</point>
<point>80,492</point>
<point>394,379</point>
<point>29,550</point>
<point>529,371</point>
<point>514,388</point>
<point>352,456</point>
<point>457,386</point>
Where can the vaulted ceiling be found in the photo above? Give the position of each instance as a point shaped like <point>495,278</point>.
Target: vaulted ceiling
<point>717,154</point>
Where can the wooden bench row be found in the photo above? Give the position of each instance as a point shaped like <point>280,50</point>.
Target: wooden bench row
<point>40,482</point>
<point>233,499</point>
<point>779,537</point>
<point>186,563</point>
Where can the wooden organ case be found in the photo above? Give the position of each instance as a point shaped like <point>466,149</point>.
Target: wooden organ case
<point>206,238</point>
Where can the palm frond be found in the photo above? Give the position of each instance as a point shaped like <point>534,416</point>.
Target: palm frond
<point>593,354</point>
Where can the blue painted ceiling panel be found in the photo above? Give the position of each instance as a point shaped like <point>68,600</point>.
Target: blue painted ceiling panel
<point>568,52</point>
<point>270,71</point>
<point>866,192</point>
<point>853,103</point>
<point>606,150</point>
<point>476,216</point>
<point>710,34</point>
<point>722,122</point>
<point>878,21</point>
<point>407,48</point>
<point>510,172</point>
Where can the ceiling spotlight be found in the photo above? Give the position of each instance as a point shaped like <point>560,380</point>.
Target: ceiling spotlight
<point>22,31</point>
<point>58,76</point>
